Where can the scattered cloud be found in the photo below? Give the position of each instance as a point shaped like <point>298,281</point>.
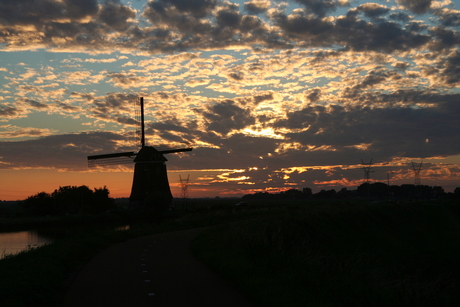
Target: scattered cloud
<point>274,94</point>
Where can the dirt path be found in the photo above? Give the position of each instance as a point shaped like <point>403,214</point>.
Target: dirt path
<point>156,270</point>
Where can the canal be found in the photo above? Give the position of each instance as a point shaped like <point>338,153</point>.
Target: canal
<point>12,243</point>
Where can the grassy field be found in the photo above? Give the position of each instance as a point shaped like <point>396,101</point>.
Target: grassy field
<point>294,253</point>
<point>342,254</point>
<point>41,276</point>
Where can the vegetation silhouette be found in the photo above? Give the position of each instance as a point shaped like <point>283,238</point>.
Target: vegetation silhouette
<point>376,190</point>
<point>68,200</point>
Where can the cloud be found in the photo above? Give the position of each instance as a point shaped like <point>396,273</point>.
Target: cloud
<point>257,6</point>
<point>36,104</point>
<point>198,8</point>
<point>181,15</point>
<point>320,7</point>
<point>65,152</point>
<point>113,103</point>
<point>450,74</point>
<point>81,77</point>
<point>68,108</point>
<point>264,97</point>
<point>229,17</point>
<point>86,96</point>
<point>314,95</point>
<point>373,10</point>
<point>176,26</point>
<point>20,132</point>
<point>124,80</point>
<point>116,15</point>
<point>385,36</point>
<point>275,93</point>
<point>448,17</point>
<point>101,60</point>
<point>416,6</point>
<point>25,12</point>
<point>390,131</point>
<point>226,116</point>
<point>197,82</point>
<point>9,111</point>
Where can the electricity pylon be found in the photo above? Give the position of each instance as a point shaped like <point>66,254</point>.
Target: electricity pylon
<point>367,170</point>
<point>417,168</point>
<point>367,176</point>
<point>184,183</point>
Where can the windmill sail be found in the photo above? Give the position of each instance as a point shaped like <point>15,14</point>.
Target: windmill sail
<point>139,117</point>
<point>111,159</point>
<point>167,151</point>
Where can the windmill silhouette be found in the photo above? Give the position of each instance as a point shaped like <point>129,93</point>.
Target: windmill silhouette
<point>150,181</point>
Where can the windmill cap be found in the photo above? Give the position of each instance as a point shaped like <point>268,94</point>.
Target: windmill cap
<point>149,154</point>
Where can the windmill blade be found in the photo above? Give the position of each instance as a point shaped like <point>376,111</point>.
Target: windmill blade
<point>111,159</point>
<point>139,117</point>
<point>175,150</point>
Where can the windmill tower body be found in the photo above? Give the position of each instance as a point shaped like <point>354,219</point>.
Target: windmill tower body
<point>150,180</point>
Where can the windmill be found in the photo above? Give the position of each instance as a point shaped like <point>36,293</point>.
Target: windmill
<point>150,181</point>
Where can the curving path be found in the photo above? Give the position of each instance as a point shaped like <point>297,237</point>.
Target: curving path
<point>156,270</point>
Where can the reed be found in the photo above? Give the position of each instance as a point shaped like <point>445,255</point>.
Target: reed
<point>40,276</point>
<point>298,253</point>
<point>342,255</point>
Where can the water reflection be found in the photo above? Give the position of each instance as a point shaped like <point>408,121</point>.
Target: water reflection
<point>14,242</point>
<point>125,227</point>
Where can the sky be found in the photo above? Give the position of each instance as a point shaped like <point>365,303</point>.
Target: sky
<point>272,95</point>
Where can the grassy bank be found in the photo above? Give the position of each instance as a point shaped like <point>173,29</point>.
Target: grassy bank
<point>41,276</point>
<point>342,254</point>
<point>281,254</point>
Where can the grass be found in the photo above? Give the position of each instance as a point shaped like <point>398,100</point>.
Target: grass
<point>281,254</point>
<point>342,255</point>
<point>40,276</point>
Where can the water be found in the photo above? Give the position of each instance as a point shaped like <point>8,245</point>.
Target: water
<point>122,228</point>
<point>12,243</point>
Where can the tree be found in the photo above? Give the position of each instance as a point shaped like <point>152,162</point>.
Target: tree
<point>326,194</point>
<point>100,200</point>
<point>72,199</point>
<point>292,194</point>
<point>308,192</point>
<point>40,204</point>
<point>69,200</point>
<point>457,193</point>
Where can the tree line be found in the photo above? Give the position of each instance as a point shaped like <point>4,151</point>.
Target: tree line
<point>68,200</point>
<point>370,190</point>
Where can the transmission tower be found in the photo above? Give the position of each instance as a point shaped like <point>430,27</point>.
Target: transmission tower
<point>417,168</point>
<point>184,183</point>
<point>367,170</point>
<point>388,177</point>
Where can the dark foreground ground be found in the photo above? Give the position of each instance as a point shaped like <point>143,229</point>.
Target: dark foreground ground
<point>156,270</point>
